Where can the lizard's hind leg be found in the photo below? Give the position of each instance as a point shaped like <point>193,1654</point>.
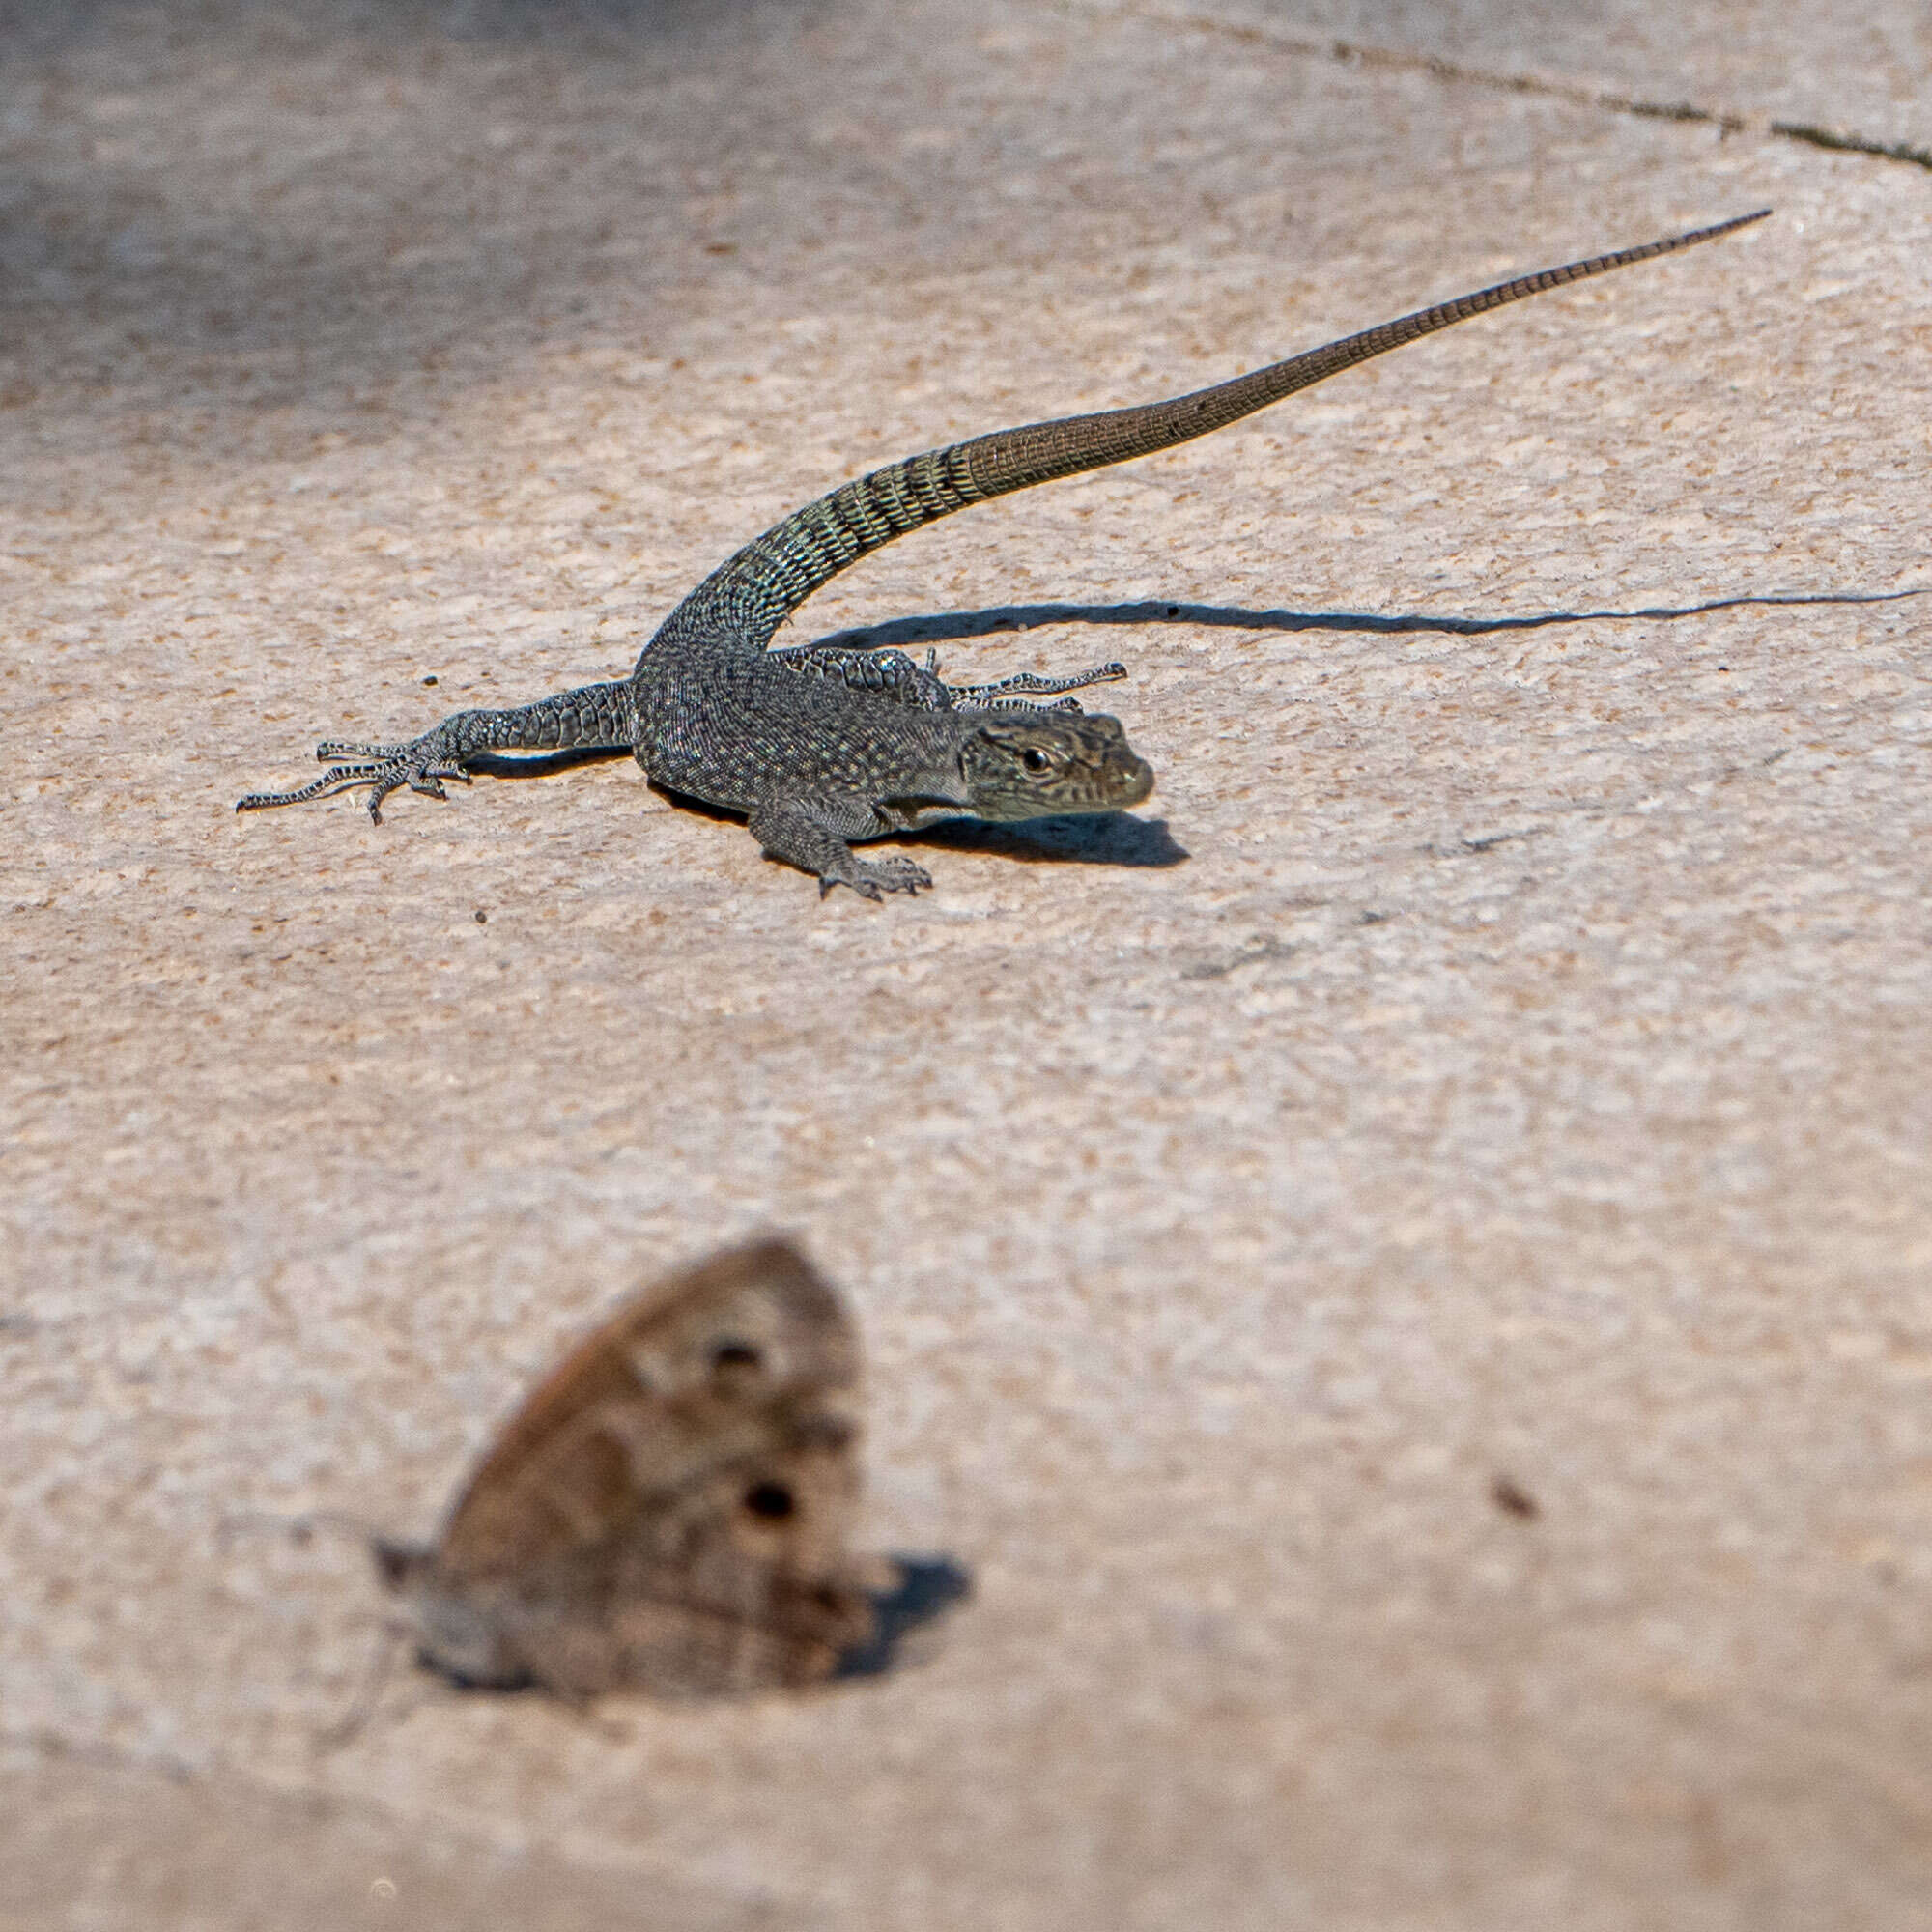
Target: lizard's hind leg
<point>592,715</point>
<point>1024,686</point>
<point>888,672</point>
<point>422,766</point>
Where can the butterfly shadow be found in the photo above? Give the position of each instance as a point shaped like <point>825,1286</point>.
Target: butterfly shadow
<point>929,1586</point>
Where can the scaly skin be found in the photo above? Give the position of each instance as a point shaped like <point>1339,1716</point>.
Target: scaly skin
<point>820,747</point>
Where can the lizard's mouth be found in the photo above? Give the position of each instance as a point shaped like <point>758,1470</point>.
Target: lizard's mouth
<point>1138,782</point>
<point>915,812</point>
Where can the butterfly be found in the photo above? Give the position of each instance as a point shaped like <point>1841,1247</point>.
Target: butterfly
<point>669,1509</point>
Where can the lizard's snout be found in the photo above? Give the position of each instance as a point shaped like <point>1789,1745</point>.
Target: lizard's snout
<point>1136,777</point>
<point>1117,775</point>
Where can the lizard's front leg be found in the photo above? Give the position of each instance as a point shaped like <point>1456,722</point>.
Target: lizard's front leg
<point>814,834</point>
<point>591,715</point>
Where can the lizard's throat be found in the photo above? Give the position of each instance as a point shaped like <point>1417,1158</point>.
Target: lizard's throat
<point>910,814</point>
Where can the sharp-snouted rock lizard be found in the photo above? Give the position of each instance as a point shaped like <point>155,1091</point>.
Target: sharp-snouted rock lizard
<point>819,746</point>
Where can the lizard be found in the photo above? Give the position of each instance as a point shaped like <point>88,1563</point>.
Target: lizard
<point>818,746</point>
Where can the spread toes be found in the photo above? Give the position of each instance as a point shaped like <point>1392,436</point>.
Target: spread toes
<point>874,878</point>
<point>421,765</point>
<point>895,873</point>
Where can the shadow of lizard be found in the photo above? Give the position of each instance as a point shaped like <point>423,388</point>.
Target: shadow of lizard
<point>1087,838</point>
<point>819,746</point>
<point>1117,839</point>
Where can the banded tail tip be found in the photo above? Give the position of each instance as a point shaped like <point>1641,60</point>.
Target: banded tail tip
<point>1718,228</point>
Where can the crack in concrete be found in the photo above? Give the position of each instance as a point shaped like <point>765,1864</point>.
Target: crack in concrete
<point>1551,87</point>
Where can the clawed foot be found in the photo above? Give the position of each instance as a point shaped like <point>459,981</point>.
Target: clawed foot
<point>874,878</point>
<point>1018,691</point>
<point>421,765</point>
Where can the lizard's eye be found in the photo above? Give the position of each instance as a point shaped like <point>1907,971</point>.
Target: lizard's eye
<point>1035,759</point>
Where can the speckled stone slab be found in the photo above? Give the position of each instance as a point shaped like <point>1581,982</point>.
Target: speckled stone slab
<point>1404,1274</point>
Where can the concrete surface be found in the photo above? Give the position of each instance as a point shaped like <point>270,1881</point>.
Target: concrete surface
<point>1500,1055</point>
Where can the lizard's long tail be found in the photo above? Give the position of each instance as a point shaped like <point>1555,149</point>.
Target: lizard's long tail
<point>746,599</point>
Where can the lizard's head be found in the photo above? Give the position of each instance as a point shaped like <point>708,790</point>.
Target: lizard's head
<point>1038,764</point>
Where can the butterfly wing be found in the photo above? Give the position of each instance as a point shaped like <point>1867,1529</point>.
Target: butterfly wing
<point>669,1509</point>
